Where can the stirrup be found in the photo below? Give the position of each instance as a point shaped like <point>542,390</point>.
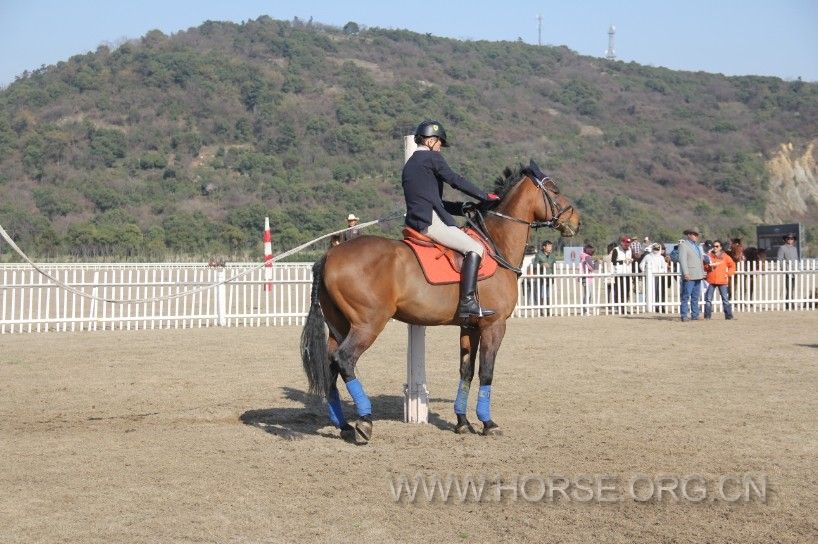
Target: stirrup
<point>465,313</point>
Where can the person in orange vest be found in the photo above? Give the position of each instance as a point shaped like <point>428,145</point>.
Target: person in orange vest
<point>719,271</point>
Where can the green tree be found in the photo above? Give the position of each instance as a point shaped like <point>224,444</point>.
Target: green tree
<point>106,146</point>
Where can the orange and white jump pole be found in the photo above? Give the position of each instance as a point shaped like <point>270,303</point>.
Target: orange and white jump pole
<point>268,256</point>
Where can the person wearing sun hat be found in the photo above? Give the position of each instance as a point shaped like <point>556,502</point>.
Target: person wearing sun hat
<point>788,252</point>
<point>691,266</point>
<point>352,220</point>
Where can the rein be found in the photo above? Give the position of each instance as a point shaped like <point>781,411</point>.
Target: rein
<point>556,212</point>
<point>480,227</point>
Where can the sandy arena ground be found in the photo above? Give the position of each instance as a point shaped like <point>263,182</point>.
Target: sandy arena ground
<point>206,435</point>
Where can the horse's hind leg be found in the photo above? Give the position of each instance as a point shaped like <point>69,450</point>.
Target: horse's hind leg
<point>334,407</point>
<point>339,327</point>
<point>345,358</point>
<point>469,341</point>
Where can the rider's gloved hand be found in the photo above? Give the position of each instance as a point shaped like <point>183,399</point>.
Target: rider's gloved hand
<point>468,206</point>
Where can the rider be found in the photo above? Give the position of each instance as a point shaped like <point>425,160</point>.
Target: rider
<point>426,212</point>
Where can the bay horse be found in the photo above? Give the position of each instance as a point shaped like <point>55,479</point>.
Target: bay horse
<point>360,285</point>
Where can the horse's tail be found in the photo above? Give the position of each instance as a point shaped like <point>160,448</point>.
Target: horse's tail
<point>314,355</point>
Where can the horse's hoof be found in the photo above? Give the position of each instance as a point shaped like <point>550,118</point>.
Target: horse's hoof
<point>490,428</point>
<point>364,429</point>
<point>348,433</point>
<point>464,428</point>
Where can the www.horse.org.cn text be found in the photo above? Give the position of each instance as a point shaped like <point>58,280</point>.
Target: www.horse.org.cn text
<point>589,488</point>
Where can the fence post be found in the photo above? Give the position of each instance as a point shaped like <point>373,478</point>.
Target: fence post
<point>648,290</point>
<point>92,325</point>
<point>221,298</point>
<point>415,394</point>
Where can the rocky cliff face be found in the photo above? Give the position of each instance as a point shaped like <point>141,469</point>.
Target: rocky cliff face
<point>793,191</point>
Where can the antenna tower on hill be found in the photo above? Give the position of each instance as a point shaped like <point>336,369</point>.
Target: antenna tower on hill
<point>539,29</point>
<point>610,54</point>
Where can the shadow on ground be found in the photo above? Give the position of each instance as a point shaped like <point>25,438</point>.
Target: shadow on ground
<point>311,418</point>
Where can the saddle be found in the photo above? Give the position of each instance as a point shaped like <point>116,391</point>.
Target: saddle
<point>441,264</point>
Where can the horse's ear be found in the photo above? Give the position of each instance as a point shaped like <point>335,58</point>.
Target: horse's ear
<point>535,168</point>
<point>548,183</point>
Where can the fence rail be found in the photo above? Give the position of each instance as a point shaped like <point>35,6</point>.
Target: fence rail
<point>29,302</point>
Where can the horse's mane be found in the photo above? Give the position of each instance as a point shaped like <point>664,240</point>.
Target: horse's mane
<point>509,178</point>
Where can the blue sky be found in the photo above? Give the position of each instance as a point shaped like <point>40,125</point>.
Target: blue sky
<point>732,37</point>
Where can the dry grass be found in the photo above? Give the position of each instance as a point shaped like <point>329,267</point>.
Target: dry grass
<point>138,436</point>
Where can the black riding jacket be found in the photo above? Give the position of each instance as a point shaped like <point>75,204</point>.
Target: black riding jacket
<point>422,180</point>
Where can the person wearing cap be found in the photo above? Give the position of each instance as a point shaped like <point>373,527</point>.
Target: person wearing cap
<point>622,260</point>
<point>720,269</point>
<point>352,221</point>
<point>655,263</point>
<point>691,266</point>
<point>423,177</point>
<point>788,252</point>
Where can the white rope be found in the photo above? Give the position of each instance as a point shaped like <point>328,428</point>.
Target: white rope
<point>81,293</point>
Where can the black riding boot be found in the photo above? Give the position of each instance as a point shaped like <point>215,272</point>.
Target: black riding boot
<point>469,307</point>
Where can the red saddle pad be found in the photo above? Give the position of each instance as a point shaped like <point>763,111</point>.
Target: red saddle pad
<point>442,265</point>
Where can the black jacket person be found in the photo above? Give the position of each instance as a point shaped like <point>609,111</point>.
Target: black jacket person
<point>423,177</point>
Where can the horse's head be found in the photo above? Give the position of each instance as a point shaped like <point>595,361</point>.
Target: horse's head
<point>552,209</point>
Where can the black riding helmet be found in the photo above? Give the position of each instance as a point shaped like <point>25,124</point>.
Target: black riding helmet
<point>431,128</point>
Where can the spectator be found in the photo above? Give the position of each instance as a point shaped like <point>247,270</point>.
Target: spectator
<point>352,221</point>
<point>636,247</point>
<point>654,263</point>
<point>622,258</point>
<point>788,252</point>
<point>334,240</point>
<point>607,267</point>
<point>588,266</point>
<point>719,271</point>
<point>541,291</point>
<point>691,266</point>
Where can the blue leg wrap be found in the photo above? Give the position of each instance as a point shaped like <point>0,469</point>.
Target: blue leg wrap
<point>484,403</point>
<point>462,400</point>
<point>362,404</point>
<point>336,413</point>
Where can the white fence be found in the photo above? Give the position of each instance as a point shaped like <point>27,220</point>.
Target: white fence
<point>29,302</point>
<point>756,287</point>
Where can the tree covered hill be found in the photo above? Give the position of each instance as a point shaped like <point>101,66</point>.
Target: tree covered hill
<point>180,145</point>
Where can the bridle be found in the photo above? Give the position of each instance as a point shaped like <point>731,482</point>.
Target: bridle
<point>556,221</point>
<point>557,212</point>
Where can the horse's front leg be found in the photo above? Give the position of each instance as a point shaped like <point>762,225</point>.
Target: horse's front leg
<point>490,339</point>
<point>469,342</point>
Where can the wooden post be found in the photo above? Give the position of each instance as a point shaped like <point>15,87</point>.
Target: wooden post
<point>268,256</point>
<point>221,298</point>
<point>415,393</point>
